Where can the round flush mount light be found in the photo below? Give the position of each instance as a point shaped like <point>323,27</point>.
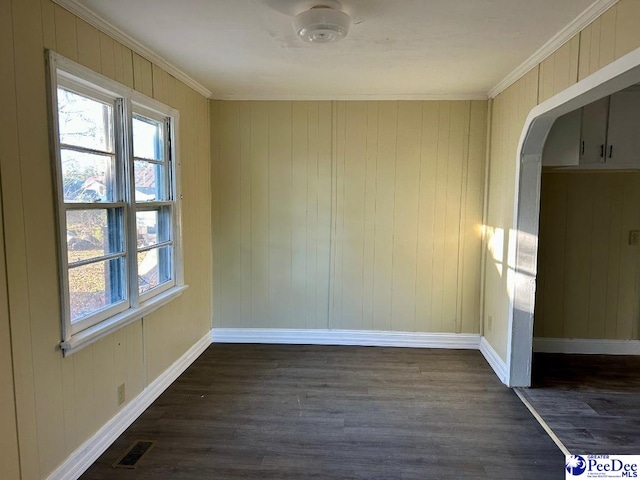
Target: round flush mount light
<point>322,24</point>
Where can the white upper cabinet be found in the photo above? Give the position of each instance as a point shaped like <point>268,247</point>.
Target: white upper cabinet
<point>594,132</point>
<point>602,135</point>
<point>623,141</point>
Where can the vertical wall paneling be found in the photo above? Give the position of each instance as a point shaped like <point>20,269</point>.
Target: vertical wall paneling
<point>216,233</point>
<point>578,253</point>
<point>61,402</point>
<point>230,193</point>
<point>385,206</point>
<point>351,218</point>
<point>324,189</point>
<point>9,456</point>
<point>299,188</point>
<point>280,212</point>
<point>127,66</point>
<point>337,218</point>
<point>271,170</point>
<point>626,28</point>
<point>599,257</point>
<point>48,24</point>
<point>426,213</point>
<point>65,28</point>
<point>142,75</point>
<point>406,201</point>
<point>458,155</point>
<point>628,293</point>
<point>587,271</point>
<point>438,263</point>
<point>613,274</point>
<point>550,293</point>
<point>107,56</point>
<point>384,222</point>
<point>469,289</point>
<point>312,222</point>
<point>560,70</point>
<point>510,109</point>
<point>38,225</point>
<point>260,224</point>
<point>88,46</point>
<point>584,61</point>
<point>16,258</point>
<point>607,37</point>
<point>244,139</point>
<point>368,250</point>
<point>598,42</point>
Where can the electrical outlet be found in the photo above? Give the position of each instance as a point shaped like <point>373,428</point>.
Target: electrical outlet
<point>121,394</point>
<point>634,237</point>
<point>489,322</point>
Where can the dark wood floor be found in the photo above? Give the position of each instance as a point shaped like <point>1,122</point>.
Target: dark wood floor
<point>591,402</point>
<point>321,412</point>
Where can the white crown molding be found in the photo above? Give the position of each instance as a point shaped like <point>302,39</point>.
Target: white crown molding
<point>372,96</point>
<point>559,39</point>
<point>493,359</point>
<point>84,456</point>
<point>101,24</point>
<point>586,346</point>
<point>364,338</point>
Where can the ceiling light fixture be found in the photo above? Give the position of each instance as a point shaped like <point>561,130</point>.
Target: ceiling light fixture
<point>322,24</point>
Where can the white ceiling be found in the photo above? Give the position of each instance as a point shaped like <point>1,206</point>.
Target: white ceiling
<point>395,48</point>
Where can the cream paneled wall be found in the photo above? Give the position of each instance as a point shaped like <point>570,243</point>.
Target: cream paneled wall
<point>509,111</point>
<point>587,271</point>
<point>611,36</point>
<point>348,215</point>
<point>61,402</point>
<point>9,456</point>
<point>271,177</point>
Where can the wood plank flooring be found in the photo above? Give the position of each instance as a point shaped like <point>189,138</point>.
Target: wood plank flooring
<point>591,402</point>
<point>323,412</point>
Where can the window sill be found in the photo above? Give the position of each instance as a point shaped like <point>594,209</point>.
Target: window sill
<point>95,333</point>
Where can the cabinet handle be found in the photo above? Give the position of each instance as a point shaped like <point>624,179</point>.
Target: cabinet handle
<point>582,149</point>
<point>601,151</point>
<point>610,151</point>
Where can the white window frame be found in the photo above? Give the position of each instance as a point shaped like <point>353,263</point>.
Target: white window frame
<point>68,74</point>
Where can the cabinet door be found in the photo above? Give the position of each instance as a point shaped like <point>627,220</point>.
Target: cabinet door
<point>624,128</point>
<point>594,132</point>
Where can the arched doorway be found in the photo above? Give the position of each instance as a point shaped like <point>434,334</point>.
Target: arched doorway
<point>618,75</point>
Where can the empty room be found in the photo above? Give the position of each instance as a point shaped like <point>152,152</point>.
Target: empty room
<point>285,239</point>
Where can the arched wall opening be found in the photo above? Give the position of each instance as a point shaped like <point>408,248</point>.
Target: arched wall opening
<point>616,76</point>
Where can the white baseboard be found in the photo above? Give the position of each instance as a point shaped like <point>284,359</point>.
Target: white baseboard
<point>82,458</point>
<point>586,346</point>
<point>495,361</point>
<point>364,338</point>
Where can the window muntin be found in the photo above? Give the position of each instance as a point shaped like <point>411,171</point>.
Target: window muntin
<point>102,139</point>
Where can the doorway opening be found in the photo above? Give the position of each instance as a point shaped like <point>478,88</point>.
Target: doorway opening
<point>618,76</point>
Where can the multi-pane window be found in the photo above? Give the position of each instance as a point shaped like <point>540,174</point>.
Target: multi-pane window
<point>116,197</point>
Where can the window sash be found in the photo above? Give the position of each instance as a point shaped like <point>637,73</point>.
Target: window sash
<point>69,75</point>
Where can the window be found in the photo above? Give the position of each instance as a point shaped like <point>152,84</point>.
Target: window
<point>116,199</point>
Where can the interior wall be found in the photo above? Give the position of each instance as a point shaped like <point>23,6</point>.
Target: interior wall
<point>9,458</point>
<point>348,215</point>
<point>608,38</point>
<point>60,401</point>
<point>587,271</point>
